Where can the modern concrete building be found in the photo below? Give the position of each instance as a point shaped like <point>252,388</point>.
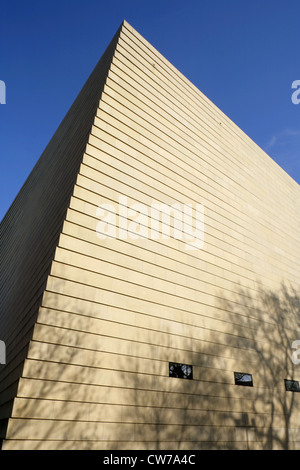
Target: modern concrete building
<point>150,275</point>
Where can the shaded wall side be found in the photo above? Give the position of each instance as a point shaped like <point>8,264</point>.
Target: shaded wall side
<point>116,311</point>
<point>31,227</point>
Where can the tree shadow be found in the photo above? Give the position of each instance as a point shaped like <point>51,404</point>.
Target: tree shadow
<point>272,322</point>
<point>211,411</point>
<point>102,381</point>
<point>57,389</point>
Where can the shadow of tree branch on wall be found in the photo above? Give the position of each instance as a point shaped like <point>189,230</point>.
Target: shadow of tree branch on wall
<point>103,383</point>
<point>56,405</point>
<point>211,412</point>
<point>272,319</point>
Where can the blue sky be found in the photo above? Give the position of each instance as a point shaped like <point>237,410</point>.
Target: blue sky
<point>243,55</point>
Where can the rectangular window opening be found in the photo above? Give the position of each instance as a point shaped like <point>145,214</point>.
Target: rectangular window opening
<point>292,385</point>
<point>242,378</point>
<point>180,371</point>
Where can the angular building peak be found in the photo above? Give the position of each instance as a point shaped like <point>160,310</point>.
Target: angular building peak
<point>150,275</point>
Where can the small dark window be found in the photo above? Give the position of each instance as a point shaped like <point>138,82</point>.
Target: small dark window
<point>292,385</point>
<point>181,371</point>
<point>243,379</point>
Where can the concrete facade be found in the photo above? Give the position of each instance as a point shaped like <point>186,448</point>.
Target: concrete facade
<point>91,320</point>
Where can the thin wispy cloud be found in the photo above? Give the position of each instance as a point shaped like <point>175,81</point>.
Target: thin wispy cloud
<point>284,148</point>
<point>287,136</point>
